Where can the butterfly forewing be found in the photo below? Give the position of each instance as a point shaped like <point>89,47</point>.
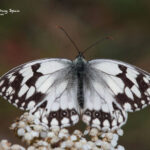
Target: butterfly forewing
<point>46,88</point>
<point>113,89</point>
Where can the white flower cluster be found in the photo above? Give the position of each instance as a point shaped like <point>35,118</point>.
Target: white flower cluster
<point>39,137</point>
<point>5,145</point>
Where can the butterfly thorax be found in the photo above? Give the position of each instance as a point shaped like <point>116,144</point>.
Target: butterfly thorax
<point>80,64</point>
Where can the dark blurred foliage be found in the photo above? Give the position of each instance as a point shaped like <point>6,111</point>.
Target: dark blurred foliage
<point>32,34</point>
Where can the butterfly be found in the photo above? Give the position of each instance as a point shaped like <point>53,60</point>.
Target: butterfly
<point>60,91</point>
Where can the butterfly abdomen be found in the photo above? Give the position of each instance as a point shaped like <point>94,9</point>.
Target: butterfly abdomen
<point>80,71</point>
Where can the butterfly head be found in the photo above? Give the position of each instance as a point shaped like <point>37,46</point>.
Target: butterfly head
<point>80,59</point>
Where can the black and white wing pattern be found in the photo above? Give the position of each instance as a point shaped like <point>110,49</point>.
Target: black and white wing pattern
<point>111,90</point>
<point>45,88</point>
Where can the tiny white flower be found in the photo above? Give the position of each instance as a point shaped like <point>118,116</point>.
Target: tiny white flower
<point>55,139</point>
<point>36,121</point>
<point>94,132</point>
<point>30,118</point>
<point>67,144</point>
<point>96,148</point>
<point>106,146</point>
<point>114,143</point>
<point>73,137</point>
<point>87,147</point>
<point>109,136</point>
<point>43,148</point>
<point>83,140</point>
<point>50,134</point>
<point>43,134</point>
<point>13,126</point>
<point>86,132</point>
<point>120,132</point>
<point>64,133</point>
<point>4,144</point>
<point>35,134</point>
<point>42,143</point>
<point>28,136</point>
<point>91,144</point>
<point>115,137</point>
<point>28,128</point>
<point>78,133</point>
<point>58,149</point>
<point>55,129</point>
<point>31,148</point>
<point>17,147</point>
<point>20,132</point>
<point>120,147</point>
<point>98,142</point>
<point>21,124</point>
<point>103,135</point>
<point>37,127</point>
<point>78,145</point>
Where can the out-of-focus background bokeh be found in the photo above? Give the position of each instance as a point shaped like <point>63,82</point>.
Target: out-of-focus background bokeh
<point>32,34</point>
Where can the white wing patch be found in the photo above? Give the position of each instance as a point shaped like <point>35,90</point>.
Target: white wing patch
<point>50,67</point>
<point>105,67</point>
<point>23,90</point>
<point>30,92</point>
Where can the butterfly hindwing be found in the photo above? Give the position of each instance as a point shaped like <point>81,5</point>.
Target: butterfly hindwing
<point>115,88</point>
<point>100,108</point>
<point>44,88</point>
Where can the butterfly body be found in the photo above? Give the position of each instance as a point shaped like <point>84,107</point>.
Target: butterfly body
<point>58,91</point>
<point>80,70</point>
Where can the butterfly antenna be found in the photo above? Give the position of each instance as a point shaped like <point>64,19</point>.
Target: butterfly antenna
<point>74,44</point>
<point>95,43</point>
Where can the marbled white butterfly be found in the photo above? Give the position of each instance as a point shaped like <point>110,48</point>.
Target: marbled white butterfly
<point>59,91</point>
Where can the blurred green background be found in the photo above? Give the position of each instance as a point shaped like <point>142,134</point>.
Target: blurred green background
<point>32,34</point>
